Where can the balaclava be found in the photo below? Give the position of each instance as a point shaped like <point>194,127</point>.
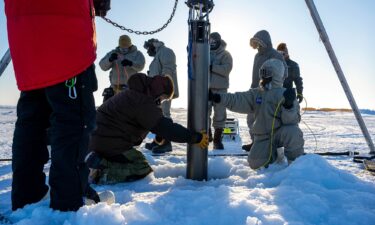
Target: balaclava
<point>150,47</point>
<point>161,85</point>
<point>215,40</point>
<point>124,43</point>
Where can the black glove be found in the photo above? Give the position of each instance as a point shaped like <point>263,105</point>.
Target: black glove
<point>300,98</point>
<point>126,62</point>
<point>108,93</point>
<point>213,97</point>
<point>113,57</point>
<point>102,7</point>
<point>289,96</point>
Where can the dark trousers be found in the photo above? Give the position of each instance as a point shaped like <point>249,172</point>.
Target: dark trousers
<point>70,121</point>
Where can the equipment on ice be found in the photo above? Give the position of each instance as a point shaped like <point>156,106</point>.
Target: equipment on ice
<point>231,129</point>
<point>198,72</point>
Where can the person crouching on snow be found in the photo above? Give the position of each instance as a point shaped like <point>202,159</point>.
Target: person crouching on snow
<point>276,115</point>
<point>124,120</point>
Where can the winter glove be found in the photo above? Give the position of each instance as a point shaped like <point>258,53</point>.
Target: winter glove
<point>289,97</point>
<point>126,62</point>
<point>203,144</point>
<point>213,97</point>
<point>113,57</point>
<point>102,7</point>
<point>300,98</point>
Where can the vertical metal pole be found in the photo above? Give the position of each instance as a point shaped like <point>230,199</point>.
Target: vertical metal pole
<point>324,37</point>
<point>198,71</point>
<point>5,61</point>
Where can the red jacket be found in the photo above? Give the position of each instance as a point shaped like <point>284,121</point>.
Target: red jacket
<point>50,41</point>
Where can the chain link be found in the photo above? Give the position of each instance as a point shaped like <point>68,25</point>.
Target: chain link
<point>143,32</point>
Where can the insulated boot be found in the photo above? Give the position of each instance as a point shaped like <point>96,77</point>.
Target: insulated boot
<point>280,155</point>
<point>217,139</point>
<point>93,161</point>
<point>247,147</point>
<point>210,139</point>
<point>151,145</point>
<point>165,147</point>
<point>92,197</point>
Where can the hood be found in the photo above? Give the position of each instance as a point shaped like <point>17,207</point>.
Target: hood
<point>151,86</point>
<point>264,37</point>
<point>222,47</point>
<point>158,44</point>
<point>139,83</point>
<point>275,68</point>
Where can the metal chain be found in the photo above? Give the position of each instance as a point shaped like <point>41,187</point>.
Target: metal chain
<point>143,32</point>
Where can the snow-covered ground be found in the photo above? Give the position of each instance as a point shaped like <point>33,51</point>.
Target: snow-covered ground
<point>312,190</point>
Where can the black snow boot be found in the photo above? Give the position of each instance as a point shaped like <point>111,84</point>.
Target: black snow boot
<point>150,145</point>
<point>165,147</point>
<point>247,147</point>
<point>154,143</point>
<point>217,139</point>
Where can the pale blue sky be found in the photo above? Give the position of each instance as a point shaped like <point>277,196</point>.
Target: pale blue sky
<point>350,25</point>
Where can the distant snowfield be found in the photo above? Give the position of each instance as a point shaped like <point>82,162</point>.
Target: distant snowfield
<point>312,190</point>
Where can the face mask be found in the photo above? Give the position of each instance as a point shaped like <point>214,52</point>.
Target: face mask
<point>151,51</point>
<point>266,83</point>
<point>124,50</point>
<point>214,44</point>
<point>266,78</point>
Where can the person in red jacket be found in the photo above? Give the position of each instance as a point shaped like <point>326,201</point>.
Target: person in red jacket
<point>53,47</point>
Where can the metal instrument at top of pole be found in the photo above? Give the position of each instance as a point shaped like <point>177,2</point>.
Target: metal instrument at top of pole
<point>199,9</point>
<point>331,53</point>
<point>5,61</point>
<point>198,82</point>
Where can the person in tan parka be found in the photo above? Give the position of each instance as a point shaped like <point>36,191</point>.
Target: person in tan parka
<point>276,113</point>
<point>220,67</point>
<point>123,61</point>
<point>164,63</point>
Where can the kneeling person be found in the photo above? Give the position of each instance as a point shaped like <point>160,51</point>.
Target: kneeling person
<point>124,121</point>
<point>276,115</point>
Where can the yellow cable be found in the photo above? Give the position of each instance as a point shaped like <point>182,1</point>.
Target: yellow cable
<point>305,104</point>
<point>272,129</point>
<point>316,141</point>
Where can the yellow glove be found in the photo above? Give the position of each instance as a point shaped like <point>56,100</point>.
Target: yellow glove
<point>203,144</point>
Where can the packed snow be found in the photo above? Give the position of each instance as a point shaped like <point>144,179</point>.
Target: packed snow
<point>312,190</point>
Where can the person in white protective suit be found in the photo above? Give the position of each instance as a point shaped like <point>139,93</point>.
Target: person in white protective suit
<point>276,113</point>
